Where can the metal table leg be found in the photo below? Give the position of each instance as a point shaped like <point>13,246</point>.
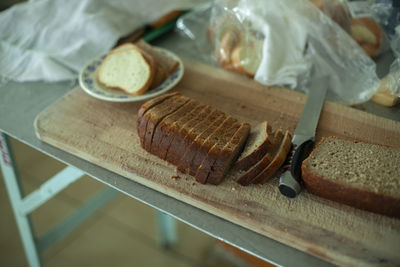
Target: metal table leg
<point>167,233</point>
<point>16,195</point>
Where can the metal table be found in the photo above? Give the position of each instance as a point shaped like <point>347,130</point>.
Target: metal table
<point>20,103</point>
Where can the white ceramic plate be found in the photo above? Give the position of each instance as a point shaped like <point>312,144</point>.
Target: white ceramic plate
<point>88,82</point>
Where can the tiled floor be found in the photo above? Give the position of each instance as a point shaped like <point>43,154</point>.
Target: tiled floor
<point>122,233</point>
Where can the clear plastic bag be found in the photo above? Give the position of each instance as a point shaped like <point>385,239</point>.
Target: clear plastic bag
<point>391,82</point>
<point>287,43</point>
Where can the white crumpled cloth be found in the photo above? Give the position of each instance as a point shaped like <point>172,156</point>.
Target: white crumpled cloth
<point>51,40</point>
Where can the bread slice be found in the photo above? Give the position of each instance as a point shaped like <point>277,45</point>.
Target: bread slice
<point>203,144</point>
<point>246,58</point>
<point>164,126</point>
<point>177,148</point>
<point>246,178</point>
<point>192,140</point>
<point>141,124</point>
<point>223,160</point>
<point>175,128</point>
<point>157,113</point>
<point>276,162</point>
<point>362,175</point>
<point>257,145</point>
<point>228,41</point>
<point>222,137</point>
<point>159,70</point>
<point>170,63</point>
<point>160,75</point>
<point>126,69</point>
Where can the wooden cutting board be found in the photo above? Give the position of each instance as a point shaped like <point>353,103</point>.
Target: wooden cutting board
<point>105,133</point>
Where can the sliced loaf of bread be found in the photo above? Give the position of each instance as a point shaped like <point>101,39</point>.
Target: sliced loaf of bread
<point>175,128</point>
<point>157,113</point>
<point>140,123</point>
<point>222,137</point>
<point>202,146</point>
<point>176,148</point>
<point>230,152</point>
<point>362,175</point>
<point>164,126</point>
<point>188,147</point>
<point>258,143</point>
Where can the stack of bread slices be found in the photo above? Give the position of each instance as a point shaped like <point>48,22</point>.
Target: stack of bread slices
<point>206,143</point>
<point>135,68</point>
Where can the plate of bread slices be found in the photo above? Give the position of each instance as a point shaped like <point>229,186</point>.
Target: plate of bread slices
<point>131,72</point>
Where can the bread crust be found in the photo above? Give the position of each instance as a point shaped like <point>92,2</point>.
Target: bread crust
<point>186,149</point>
<point>236,61</point>
<point>225,159</point>
<point>276,162</point>
<point>159,77</point>
<point>351,196</point>
<point>174,153</point>
<point>174,130</point>
<point>256,155</point>
<point>151,63</point>
<point>248,177</point>
<point>354,197</point>
<point>142,123</point>
<point>207,163</point>
<point>154,119</point>
<point>165,128</point>
<point>228,41</point>
<point>170,63</point>
<point>200,149</point>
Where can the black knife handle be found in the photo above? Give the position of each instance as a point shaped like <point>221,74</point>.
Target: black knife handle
<point>300,154</point>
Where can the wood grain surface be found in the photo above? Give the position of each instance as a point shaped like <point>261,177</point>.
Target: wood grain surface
<point>104,133</point>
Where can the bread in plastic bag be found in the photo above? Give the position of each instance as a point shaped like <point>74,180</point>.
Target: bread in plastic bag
<point>270,41</point>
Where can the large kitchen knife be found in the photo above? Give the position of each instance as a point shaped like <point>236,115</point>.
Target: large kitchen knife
<point>303,138</point>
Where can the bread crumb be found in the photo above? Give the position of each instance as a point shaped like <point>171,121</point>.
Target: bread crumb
<point>233,189</point>
<point>175,177</point>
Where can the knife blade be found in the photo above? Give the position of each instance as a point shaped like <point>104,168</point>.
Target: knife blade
<point>303,138</point>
